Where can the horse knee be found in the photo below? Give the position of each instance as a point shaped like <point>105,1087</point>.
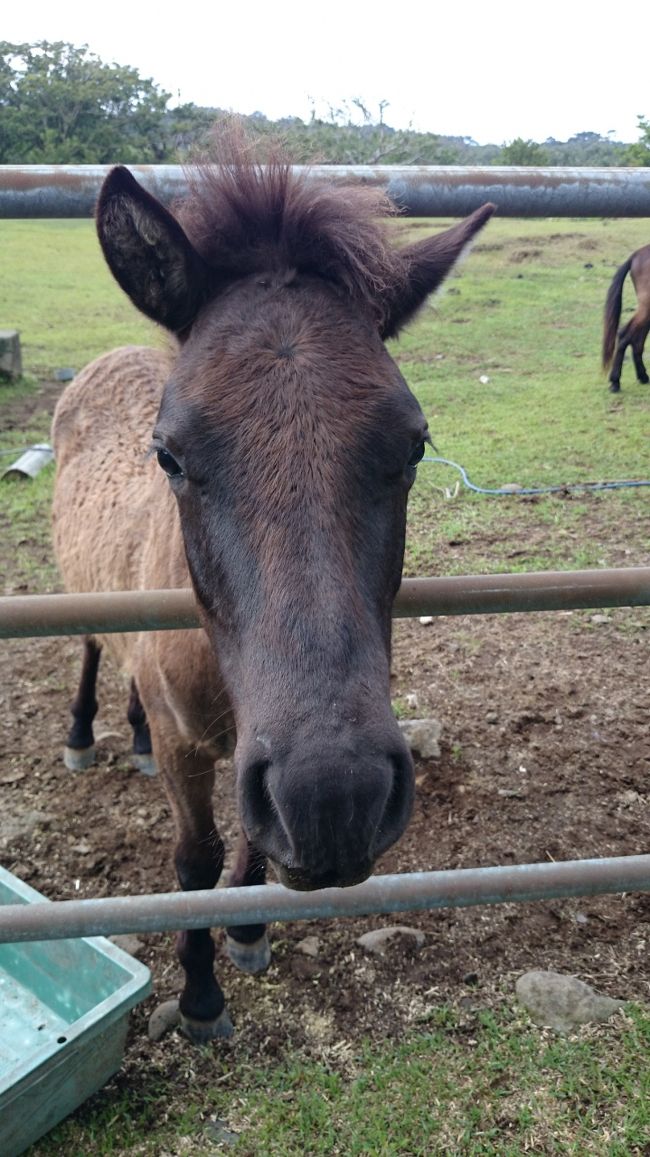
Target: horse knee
<point>199,864</point>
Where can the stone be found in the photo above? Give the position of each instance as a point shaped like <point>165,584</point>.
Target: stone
<point>83,848</point>
<point>422,736</point>
<point>14,826</point>
<point>629,797</point>
<point>13,777</point>
<point>379,940</point>
<point>562,1002</point>
<point>310,946</point>
<point>128,943</point>
<point>163,1018</point>
<point>217,1131</point>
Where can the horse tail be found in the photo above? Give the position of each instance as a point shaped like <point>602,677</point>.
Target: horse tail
<point>613,303</point>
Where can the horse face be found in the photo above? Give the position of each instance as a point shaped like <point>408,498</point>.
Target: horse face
<point>290,441</point>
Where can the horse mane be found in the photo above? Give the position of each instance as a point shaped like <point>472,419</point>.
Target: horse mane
<point>245,216</point>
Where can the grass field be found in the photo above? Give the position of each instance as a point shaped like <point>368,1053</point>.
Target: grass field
<point>525,312</point>
<point>499,1088</point>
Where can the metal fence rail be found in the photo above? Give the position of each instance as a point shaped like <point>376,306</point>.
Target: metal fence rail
<point>418,190</point>
<point>86,614</point>
<point>460,888</point>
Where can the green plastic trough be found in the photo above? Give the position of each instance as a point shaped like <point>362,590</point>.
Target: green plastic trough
<point>64,1009</point>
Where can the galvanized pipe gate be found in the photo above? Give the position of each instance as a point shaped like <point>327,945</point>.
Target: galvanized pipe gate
<point>70,191</point>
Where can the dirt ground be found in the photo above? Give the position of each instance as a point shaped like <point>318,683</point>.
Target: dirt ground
<point>545,756</point>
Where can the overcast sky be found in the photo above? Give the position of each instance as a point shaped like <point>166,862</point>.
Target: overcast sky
<point>491,71</point>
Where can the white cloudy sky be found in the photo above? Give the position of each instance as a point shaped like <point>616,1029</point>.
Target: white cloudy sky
<point>493,71</point>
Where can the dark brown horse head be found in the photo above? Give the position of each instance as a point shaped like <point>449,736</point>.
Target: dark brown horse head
<point>290,441</point>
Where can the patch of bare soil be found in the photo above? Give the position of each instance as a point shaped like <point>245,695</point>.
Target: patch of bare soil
<point>545,756</point>
<point>18,413</point>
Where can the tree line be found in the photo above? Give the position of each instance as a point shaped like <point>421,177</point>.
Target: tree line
<point>61,104</point>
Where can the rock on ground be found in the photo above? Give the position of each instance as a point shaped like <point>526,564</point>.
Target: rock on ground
<point>562,1002</point>
<point>422,736</point>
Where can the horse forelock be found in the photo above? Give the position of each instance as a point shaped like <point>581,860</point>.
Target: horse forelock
<point>276,375</point>
<point>245,217</point>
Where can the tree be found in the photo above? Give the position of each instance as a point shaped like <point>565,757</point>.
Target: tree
<point>60,104</point>
<point>639,153</point>
<point>521,152</point>
<point>586,149</point>
<point>352,135</point>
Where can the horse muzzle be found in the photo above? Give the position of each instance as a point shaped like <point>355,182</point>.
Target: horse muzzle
<point>300,881</point>
<point>324,821</point>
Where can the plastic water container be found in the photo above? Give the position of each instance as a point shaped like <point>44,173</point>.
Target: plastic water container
<point>64,1008</point>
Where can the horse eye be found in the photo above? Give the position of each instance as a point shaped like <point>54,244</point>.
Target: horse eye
<point>417,455</point>
<point>168,463</point>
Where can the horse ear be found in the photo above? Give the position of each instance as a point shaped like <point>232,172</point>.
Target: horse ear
<point>148,253</point>
<point>427,264</point>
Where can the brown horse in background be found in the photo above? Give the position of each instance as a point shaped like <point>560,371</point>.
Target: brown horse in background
<point>635,331</point>
<point>283,442</point>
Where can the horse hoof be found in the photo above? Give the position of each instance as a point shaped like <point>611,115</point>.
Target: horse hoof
<point>79,758</point>
<point>251,958</point>
<point>614,388</point>
<point>202,1031</point>
<point>144,762</point>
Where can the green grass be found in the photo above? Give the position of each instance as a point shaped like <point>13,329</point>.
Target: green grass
<point>24,520</point>
<point>532,325</point>
<point>57,291</point>
<point>465,1085</point>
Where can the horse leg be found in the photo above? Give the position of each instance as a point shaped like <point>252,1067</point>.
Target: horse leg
<point>142,757</point>
<point>188,776</point>
<point>617,364</point>
<point>79,751</point>
<point>637,354</point>
<point>247,945</point>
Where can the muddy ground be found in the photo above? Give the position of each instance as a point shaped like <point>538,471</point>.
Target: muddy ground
<point>545,756</point>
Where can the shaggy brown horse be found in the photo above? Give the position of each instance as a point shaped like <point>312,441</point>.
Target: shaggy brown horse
<point>283,443</point>
<point>635,331</point>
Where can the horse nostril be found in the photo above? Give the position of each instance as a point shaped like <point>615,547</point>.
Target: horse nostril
<point>399,804</point>
<point>256,797</point>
